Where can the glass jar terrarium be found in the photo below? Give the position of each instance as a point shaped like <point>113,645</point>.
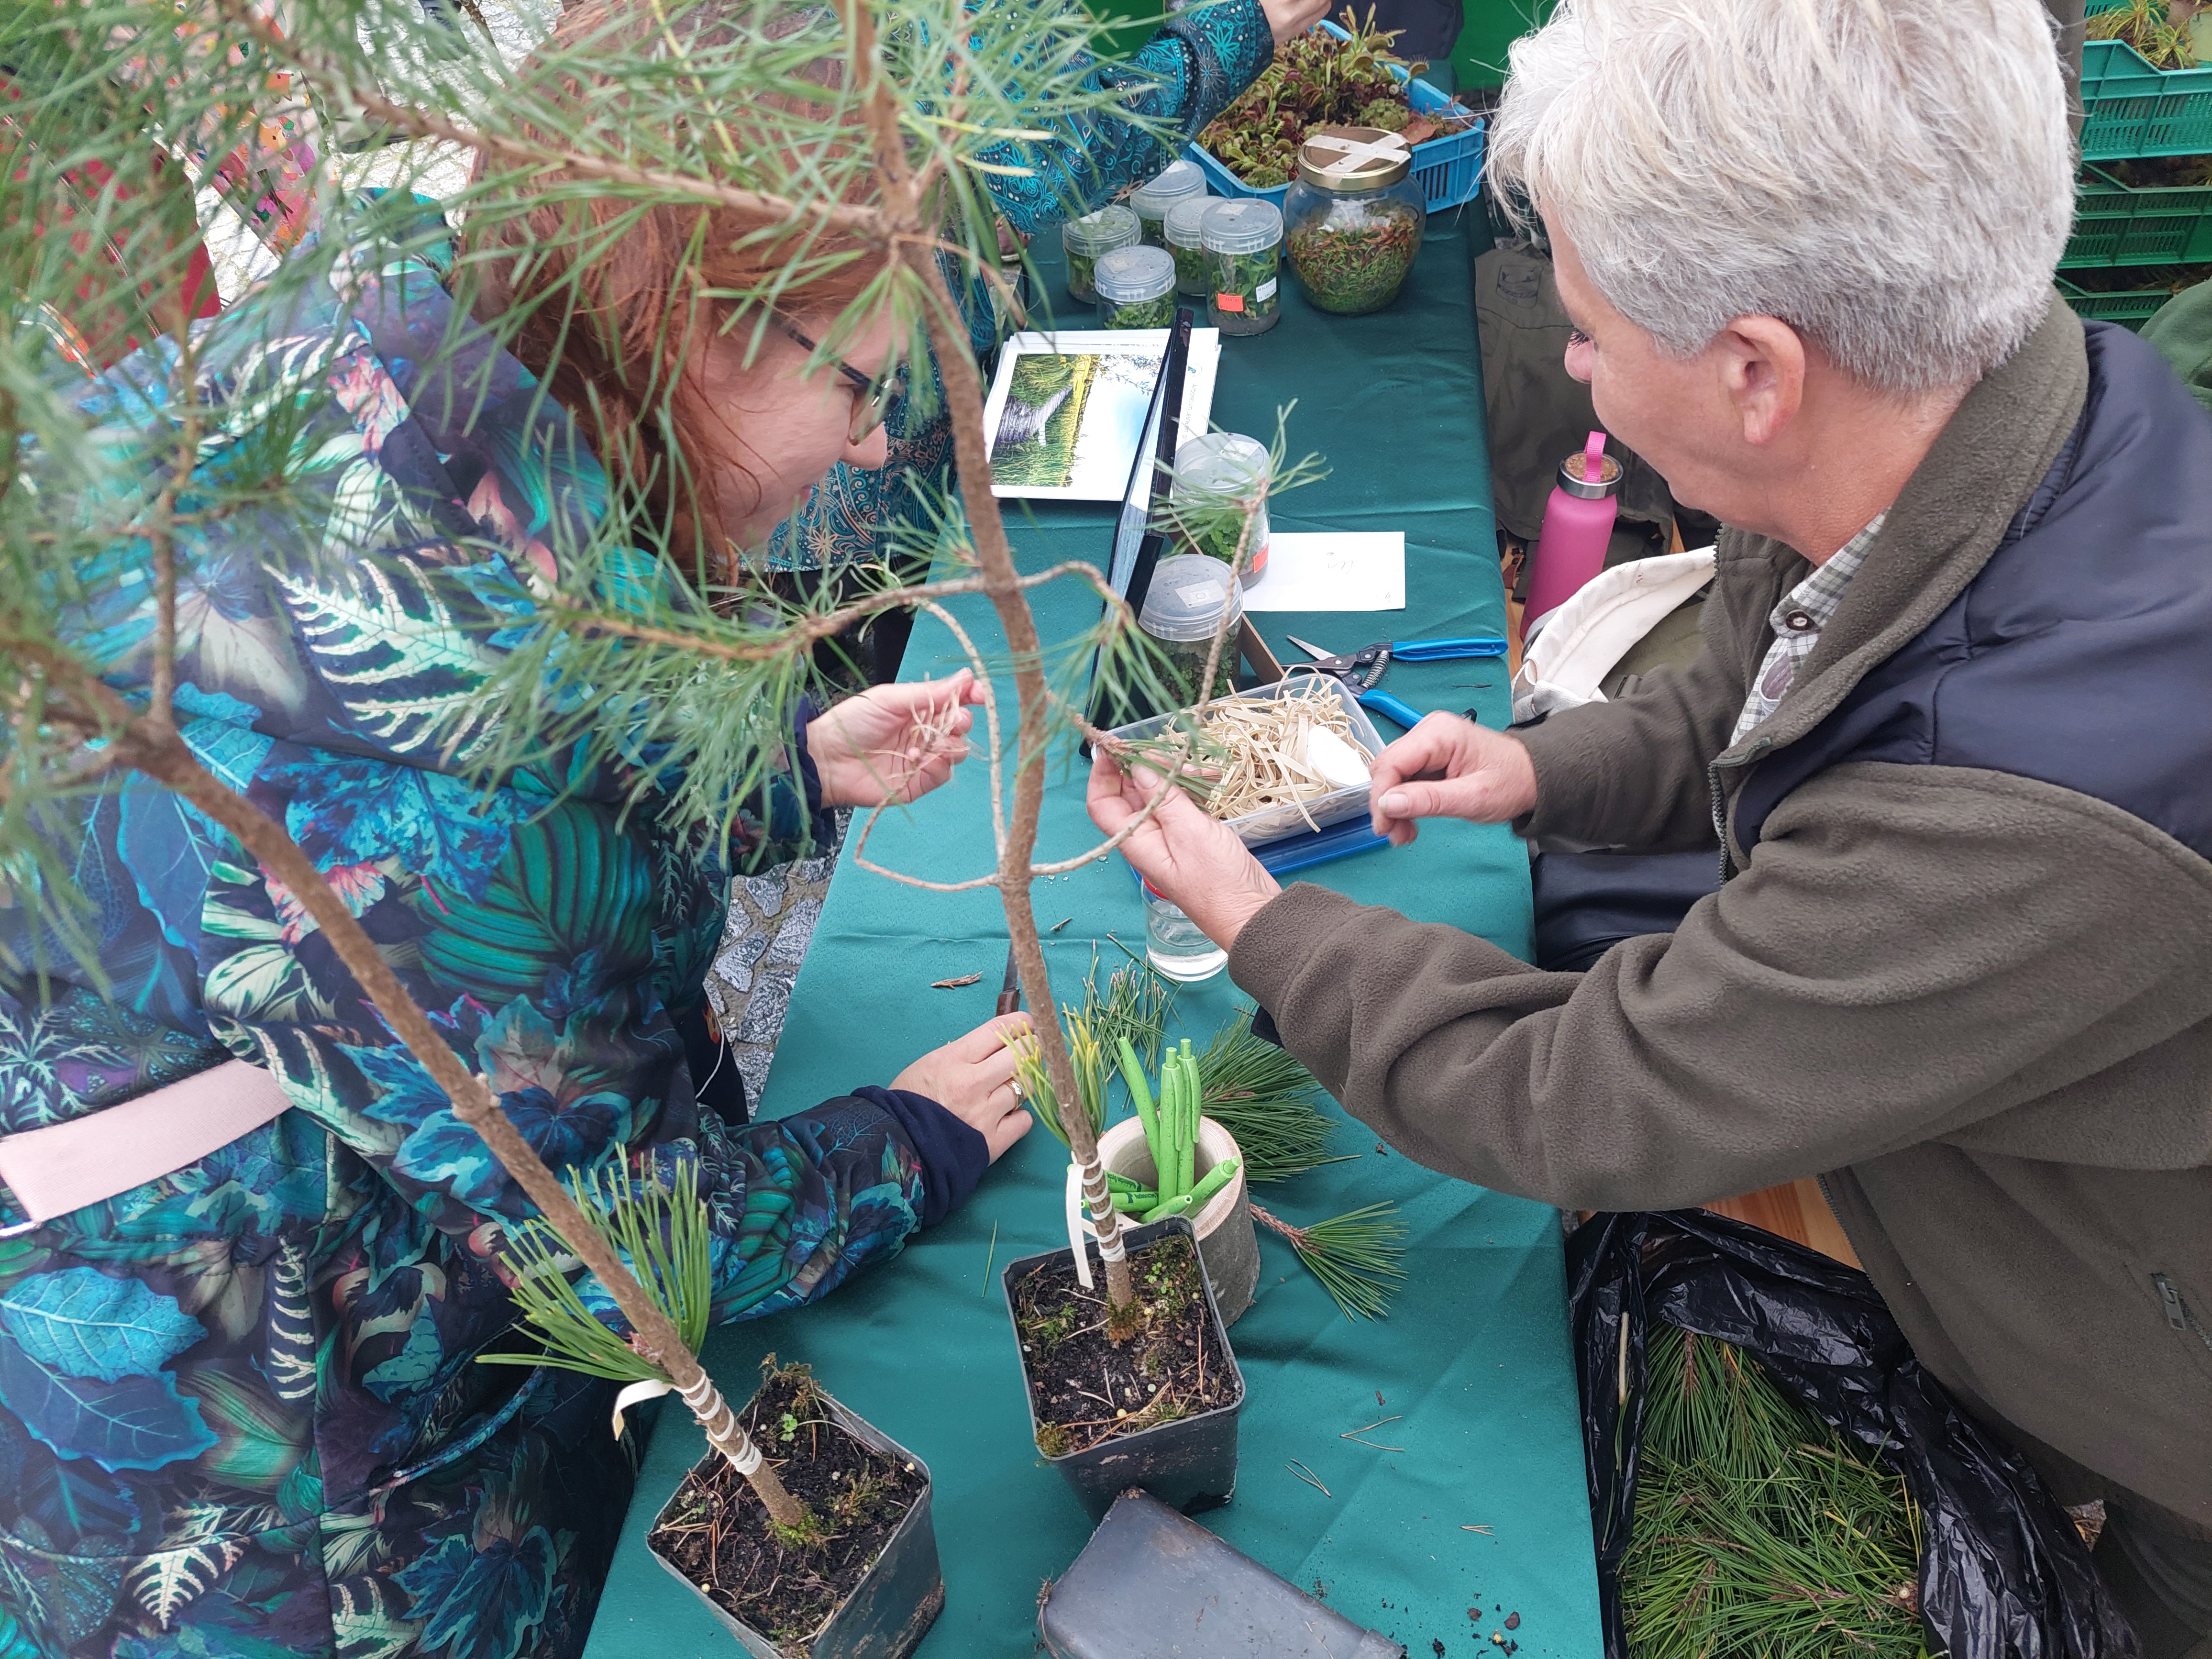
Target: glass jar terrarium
<point>1084,240</point>
<point>1209,472</point>
<point>1183,609</point>
<point>1187,246</point>
<point>1136,288</point>
<point>1243,259</point>
<point>1178,181</point>
<point>1352,218</point>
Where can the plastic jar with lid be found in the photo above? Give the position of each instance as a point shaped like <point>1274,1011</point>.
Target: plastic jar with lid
<point>1243,242</point>
<point>1353,219</point>
<point>1208,469</point>
<point>1183,242</point>
<point>1136,288</point>
<point>1183,608</point>
<point>1176,182</point>
<point>1084,240</point>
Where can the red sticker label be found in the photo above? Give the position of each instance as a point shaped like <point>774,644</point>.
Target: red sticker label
<point>1228,302</point>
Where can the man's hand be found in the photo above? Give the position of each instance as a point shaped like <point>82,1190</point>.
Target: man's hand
<point>892,743</point>
<point>1289,19</point>
<point>1193,860</point>
<point>972,1077</point>
<point>1449,768</point>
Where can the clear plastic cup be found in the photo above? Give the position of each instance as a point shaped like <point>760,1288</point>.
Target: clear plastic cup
<point>1244,264</point>
<point>1151,200</point>
<point>1084,240</point>
<point>1226,464</point>
<point>1176,946</point>
<point>1135,288</point>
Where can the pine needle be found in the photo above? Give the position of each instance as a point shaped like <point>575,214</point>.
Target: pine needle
<point>1135,1005</point>
<point>1355,1256</point>
<point>1269,1101</point>
<point>661,1235</point>
<point>1758,1530</point>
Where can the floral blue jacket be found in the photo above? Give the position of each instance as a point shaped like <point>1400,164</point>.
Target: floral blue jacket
<point>1192,69</point>
<point>242,1411</point>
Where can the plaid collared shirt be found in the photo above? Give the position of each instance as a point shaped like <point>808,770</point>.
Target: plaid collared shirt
<point>1804,610</point>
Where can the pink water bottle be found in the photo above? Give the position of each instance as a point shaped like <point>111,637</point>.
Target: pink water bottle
<point>1577,526</point>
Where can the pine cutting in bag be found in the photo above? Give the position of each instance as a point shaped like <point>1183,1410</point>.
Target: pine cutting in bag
<point>2002,1572</point>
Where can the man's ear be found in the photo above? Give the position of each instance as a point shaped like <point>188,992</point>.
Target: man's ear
<point>1762,363</point>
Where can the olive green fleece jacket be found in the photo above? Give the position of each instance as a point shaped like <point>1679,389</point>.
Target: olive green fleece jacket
<point>1980,1003</point>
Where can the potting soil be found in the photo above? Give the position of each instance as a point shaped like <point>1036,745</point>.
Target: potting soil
<point>1087,1389</point>
<point>719,1538</point>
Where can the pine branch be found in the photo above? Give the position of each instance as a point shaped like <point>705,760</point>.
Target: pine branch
<point>1355,1256</point>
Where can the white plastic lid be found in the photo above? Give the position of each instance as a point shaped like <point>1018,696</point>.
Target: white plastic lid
<point>1176,180</point>
<point>1225,461</point>
<point>1185,601</point>
<point>1243,226</point>
<point>1130,274</point>
<point>1180,228</point>
<point>1112,226</point>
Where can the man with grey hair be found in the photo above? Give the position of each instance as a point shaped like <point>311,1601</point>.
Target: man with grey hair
<point>1952,724</point>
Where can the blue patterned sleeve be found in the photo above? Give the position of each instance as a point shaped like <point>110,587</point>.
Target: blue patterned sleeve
<point>1187,74</point>
<point>799,1205</point>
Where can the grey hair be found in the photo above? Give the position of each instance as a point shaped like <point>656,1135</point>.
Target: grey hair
<point>1893,178</point>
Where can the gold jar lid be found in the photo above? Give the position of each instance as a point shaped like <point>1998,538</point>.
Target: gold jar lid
<point>1353,158</point>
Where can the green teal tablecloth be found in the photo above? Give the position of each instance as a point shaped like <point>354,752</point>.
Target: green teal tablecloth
<point>1472,1363</point>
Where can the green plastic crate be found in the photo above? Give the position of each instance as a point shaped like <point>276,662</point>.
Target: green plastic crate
<point>2130,109</point>
<point>2115,224</point>
<point>2129,311</point>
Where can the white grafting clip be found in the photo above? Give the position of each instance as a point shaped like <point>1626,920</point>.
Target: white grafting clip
<point>1079,1228</point>
<point>1358,153</point>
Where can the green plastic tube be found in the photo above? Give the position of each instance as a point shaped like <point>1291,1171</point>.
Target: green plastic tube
<point>1167,1207</point>
<point>1134,1203</point>
<point>1140,1093</point>
<point>1213,1181</point>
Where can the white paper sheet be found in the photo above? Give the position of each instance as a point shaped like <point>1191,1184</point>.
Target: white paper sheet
<point>1332,570</point>
<point>1104,443</point>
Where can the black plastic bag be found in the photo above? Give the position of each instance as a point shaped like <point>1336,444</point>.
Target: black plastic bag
<point>2003,1571</point>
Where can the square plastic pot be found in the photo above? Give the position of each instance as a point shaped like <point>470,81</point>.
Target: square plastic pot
<point>1189,1464</point>
<point>897,1599</point>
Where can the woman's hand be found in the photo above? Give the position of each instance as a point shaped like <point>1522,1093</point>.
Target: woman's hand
<point>892,743</point>
<point>1289,19</point>
<point>972,1077</point>
<point>1449,768</point>
<point>1193,861</point>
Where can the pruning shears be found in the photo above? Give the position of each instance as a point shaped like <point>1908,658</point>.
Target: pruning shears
<point>1359,670</point>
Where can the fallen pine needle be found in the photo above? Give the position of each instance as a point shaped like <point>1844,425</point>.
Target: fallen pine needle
<point>954,984</point>
<point>1395,1416</point>
<point>1061,923</point>
<point>1309,1477</point>
<point>1485,1531</point>
<point>1376,1445</point>
<point>988,1260</point>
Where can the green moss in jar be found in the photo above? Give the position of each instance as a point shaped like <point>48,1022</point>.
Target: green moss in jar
<point>1350,263</point>
<point>1138,314</point>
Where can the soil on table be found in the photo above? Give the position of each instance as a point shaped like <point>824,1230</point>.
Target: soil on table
<point>717,1533</point>
<point>1088,1389</point>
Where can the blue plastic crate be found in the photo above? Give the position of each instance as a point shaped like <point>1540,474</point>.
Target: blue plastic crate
<point>1448,169</point>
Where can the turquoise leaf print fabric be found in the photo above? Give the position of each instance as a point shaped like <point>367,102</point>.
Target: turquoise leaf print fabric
<point>83,1323</point>
<point>241,1411</point>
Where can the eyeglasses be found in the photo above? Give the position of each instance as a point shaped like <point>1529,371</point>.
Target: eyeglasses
<point>872,399</point>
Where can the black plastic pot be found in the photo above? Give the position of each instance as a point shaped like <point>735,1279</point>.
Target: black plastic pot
<point>897,1599</point>
<point>1189,1464</point>
<point>1152,1585</point>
